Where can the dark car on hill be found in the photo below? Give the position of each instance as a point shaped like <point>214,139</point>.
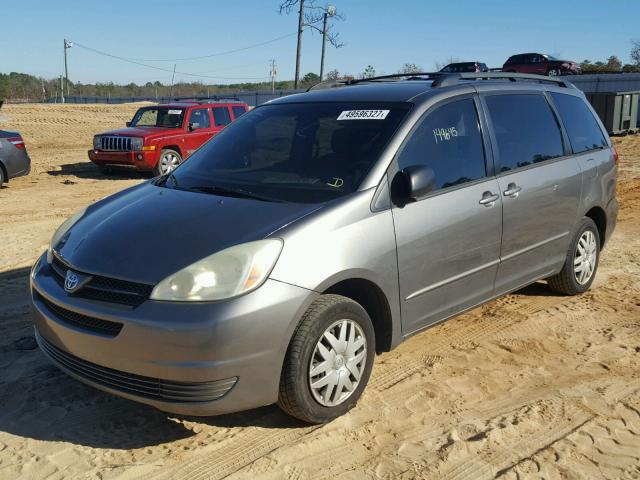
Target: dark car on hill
<point>540,64</point>
<point>462,67</point>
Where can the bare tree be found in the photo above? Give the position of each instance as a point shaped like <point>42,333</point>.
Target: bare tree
<point>410,68</point>
<point>635,52</point>
<point>310,15</point>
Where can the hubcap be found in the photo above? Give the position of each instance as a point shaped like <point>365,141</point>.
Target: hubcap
<point>168,163</point>
<point>586,255</point>
<point>337,363</point>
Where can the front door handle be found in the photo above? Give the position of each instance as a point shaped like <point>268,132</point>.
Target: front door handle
<point>512,190</point>
<point>488,199</point>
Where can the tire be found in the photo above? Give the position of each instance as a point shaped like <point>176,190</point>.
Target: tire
<point>328,314</point>
<point>168,161</point>
<point>569,281</point>
<point>2,177</point>
<point>553,72</point>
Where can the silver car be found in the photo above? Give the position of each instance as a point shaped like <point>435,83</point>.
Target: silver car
<point>323,228</point>
<point>14,159</point>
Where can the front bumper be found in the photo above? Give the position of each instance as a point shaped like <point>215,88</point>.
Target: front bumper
<point>239,344</point>
<point>140,160</point>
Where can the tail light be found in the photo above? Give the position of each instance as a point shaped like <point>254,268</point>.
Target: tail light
<point>17,142</point>
<point>616,157</point>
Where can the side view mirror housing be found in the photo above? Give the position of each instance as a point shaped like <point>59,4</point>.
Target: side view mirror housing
<point>193,126</point>
<point>413,183</point>
<point>128,124</point>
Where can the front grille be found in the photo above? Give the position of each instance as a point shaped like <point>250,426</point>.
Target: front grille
<point>119,144</point>
<point>84,322</point>
<point>138,385</point>
<point>105,289</point>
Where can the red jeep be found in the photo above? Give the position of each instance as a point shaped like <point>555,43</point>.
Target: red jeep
<point>161,136</point>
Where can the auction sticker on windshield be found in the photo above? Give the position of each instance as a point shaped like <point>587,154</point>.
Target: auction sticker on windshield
<point>363,115</point>
<point>175,112</point>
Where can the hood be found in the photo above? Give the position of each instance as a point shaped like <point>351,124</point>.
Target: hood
<point>148,232</point>
<point>141,131</point>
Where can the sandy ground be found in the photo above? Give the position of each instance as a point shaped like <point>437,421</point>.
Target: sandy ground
<point>529,386</point>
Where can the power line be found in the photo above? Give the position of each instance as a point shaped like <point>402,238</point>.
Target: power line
<point>136,62</point>
<point>218,54</point>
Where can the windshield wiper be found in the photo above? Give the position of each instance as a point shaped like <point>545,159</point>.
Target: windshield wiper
<point>233,192</point>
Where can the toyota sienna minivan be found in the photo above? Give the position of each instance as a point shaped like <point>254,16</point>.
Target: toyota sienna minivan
<point>321,229</point>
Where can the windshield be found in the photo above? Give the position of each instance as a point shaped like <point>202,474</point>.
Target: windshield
<point>295,152</point>
<point>165,117</point>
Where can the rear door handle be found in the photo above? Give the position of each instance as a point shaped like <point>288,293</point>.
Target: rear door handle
<point>488,199</point>
<point>512,190</point>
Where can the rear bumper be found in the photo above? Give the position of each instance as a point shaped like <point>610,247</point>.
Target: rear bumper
<point>17,163</point>
<point>612,218</point>
<point>139,160</point>
<point>167,351</point>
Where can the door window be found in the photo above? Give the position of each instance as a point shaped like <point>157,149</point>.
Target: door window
<point>583,129</point>
<point>201,117</point>
<point>525,128</point>
<point>221,116</point>
<point>449,141</point>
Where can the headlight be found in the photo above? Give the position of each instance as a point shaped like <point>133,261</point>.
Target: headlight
<point>229,273</point>
<point>97,142</point>
<point>61,231</point>
<point>136,143</point>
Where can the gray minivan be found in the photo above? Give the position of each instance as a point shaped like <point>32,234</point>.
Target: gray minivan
<point>320,229</point>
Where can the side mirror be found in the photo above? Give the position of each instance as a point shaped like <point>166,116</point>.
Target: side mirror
<point>128,124</point>
<point>413,183</point>
<point>194,126</point>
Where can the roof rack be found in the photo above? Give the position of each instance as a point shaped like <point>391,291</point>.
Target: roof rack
<point>204,100</point>
<point>453,78</point>
<point>410,76</point>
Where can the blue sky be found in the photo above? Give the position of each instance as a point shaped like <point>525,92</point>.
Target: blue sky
<point>385,34</point>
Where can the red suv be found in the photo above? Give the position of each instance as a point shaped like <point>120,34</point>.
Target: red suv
<point>540,64</point>
<point>160,137</point>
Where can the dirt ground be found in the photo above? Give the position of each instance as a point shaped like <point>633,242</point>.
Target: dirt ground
<point>532,385</point>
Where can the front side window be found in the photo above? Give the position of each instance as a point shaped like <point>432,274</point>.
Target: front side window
<point>583,130</point>
<point>221,116</point>
<point>525,128</point>
<point>448,140</point>
<point>200,116</point>
<point>295,152</point>
<point>164,117</point>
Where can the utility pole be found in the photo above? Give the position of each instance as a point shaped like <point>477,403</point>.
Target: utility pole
<point>172,77</point>
<point>67,46</point>
<point>273,74</point>
<point>299,49</point>
<point>329,12</point>
<point>61,90</point>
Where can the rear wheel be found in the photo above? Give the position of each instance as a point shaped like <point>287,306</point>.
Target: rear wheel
<point>2,178</point>
<point>169,160</point>
<point>553,72</point>
<point>328,361</point>
<point>581,263</point>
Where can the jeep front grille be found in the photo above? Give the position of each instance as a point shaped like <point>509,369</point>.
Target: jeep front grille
<point>120,144</point>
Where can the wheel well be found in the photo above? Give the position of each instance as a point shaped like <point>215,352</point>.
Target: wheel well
<point>5,174</point>
<point>600,219</point>
<point>374,301</point>
<point>172,147</point>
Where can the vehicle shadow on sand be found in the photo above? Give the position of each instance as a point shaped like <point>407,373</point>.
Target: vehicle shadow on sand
<point>90,171</point>
<point>39,401</point>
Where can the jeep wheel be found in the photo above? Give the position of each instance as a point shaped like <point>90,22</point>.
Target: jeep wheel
<point>553,72</point>
<point>581,262</point>
<point>2,179</point>
<point>169,160</point>
<point>328,361</point>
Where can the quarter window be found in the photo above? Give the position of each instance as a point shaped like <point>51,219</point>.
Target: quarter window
<point>237,111</point>
<point>221,116</point>
<point>448,141</point>
<point>583,129</point>
<point>525,128</point>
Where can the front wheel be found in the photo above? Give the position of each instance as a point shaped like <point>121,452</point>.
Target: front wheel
<point>581,263</point>
<point>553,72</point>
<point>328,361</point>
<point>169,160</point>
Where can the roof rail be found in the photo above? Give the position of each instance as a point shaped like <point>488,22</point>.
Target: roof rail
<point>327,84</point>
<point>410,76</point>
<point>453,78</point>
<point>203,100</point>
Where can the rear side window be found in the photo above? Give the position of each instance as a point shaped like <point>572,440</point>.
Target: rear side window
<point>525,128</point>
<point>583,130</point>
<point>201,117</point>
<point>237,111</point>
<point>221,116</point>
<point>448,141</point>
